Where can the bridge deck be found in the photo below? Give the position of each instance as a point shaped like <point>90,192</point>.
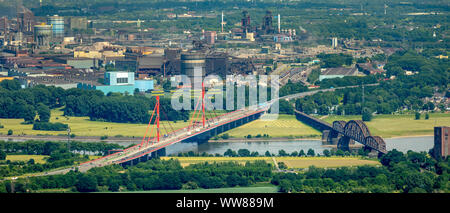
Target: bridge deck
<point>172,138</point>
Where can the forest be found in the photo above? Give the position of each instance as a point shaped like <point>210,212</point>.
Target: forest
<point>35,104</point>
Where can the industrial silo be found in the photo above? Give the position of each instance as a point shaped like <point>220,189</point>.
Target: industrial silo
<point>193,64</point>
<point>57,23</point>
<point>42,35</point>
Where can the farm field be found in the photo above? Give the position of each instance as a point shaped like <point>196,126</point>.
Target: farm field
<point>388,126</point>
<point>185,161</point>
<point>284,126</point>
<point>82,126</point>
<point>25,158</point>
<point>291,162</point>
<point>324,162</point>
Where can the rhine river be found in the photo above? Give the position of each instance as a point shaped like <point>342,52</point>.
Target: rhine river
<point>417,144</point>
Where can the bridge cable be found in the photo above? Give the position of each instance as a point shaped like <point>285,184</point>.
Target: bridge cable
<point>149,123</point>
<point>149,137</point>
<point>193,116</point>
<point>167,118</point>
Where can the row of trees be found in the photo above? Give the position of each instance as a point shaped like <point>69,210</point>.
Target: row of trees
<point>150,175</point>
<point>58,155</point>
<point>35,104</point>
<point>47,147</point>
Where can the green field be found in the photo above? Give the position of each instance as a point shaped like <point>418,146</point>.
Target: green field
<point>25,158</point>
<point>82,126</point>
<point>291,162</point>
<point>325,162</point>
<point>185,161</point>
<point>284,126</point>
<point>388,126</point>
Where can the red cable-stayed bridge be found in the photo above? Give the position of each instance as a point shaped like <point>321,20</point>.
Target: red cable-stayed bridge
<point>201,127</point>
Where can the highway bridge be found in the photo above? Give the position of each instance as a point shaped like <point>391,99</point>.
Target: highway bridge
<point>345,132</point>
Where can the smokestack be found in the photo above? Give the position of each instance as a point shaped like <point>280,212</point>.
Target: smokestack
<point>222,22</point>
<point>279,23</point>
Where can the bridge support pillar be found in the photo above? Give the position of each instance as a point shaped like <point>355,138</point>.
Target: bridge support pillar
<point>343,143</point>
<point>331,137</point>
<point>325,136</point>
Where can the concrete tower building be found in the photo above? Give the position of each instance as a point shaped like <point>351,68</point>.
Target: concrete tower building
<point>441,147</point>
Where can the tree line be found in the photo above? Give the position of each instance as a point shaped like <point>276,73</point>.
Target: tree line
<point>150,175</point>
<point>47,147</point>
<point>412,172</point>
<point>35,104</point>
<point>58,155</point>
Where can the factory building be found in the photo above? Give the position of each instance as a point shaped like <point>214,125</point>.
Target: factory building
<point>210,37</point>
<point>25,21</point>
<point>216,65</point>
<point>245,22</point>
<point>267,27</point>
<point>121,82</point>
<point>79,63</point>
<point>338,72</point>
<point>79,23</point>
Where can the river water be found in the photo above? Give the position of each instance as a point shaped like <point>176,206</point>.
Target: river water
<point>416,144</point>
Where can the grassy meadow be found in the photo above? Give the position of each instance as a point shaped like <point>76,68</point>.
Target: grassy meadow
<point>284,126</point>
<point>325,162</point>
<point>291,162</point>
<point>388,126</point>
<point>25,158</point>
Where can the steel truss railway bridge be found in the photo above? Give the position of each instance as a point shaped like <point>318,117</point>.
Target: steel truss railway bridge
<point>202,128</point>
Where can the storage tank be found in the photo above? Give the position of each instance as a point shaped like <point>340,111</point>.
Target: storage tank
<point>42,35</point>
<point>192,61</point>
<point>57,23</point>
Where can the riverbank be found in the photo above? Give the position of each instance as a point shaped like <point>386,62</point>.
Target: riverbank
<point>278,139</point>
